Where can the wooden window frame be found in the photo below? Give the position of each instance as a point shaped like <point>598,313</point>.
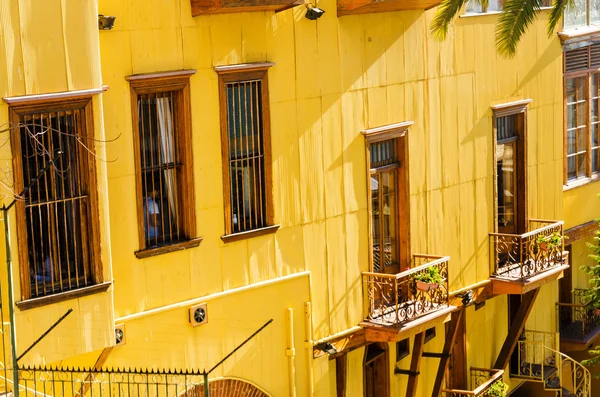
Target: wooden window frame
<point>178,82</point>
<point>590,176</point>
<point>233,74</point>
<point>19,106</point>
<point>397,131</point>
<point>504,110</point>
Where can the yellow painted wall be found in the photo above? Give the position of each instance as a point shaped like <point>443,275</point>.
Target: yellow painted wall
<point>49,46</point>
<point>331,79</point>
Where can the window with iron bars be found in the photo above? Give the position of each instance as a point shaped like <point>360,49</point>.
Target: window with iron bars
<point>57,217</point>
<point>162,142</point>
<point>245,140</point>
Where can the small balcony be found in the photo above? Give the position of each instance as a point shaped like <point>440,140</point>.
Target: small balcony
<point>482,380</point>
<point>204,7</point>
<point>523,262</point>
<point>578,323</point>
<point>399,304</point>
<point>347,7</point>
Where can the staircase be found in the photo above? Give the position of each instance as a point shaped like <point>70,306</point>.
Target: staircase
<point>536,358</point>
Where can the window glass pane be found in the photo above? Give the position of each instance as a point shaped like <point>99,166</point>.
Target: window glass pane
<point>581,140</point>
<point>493,5</point>
<point>375,222</point>
<point>595,11</point>
<point>246,156</point>
<point>383,153</point>
<point>581,165</point>
<point>595,159</point>
<point>506,171</point>
<point>570,90</point>
<point>576,16</point>
<point>159,168</point>
<point>571,141</point>
<point>56,206</point>
<point>388,216</point>
<point>571,167</point>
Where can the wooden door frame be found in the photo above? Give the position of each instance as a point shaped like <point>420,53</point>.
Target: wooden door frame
<point>384,360</point>
<point>518,108</point>
<point>398,131</point>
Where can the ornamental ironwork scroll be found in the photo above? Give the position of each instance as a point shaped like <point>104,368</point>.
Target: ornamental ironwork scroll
<point>395,299</point>
<point>578,319</point>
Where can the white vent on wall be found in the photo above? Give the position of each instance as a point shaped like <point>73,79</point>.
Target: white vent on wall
<point>198,315</point>
<point>120,334</point>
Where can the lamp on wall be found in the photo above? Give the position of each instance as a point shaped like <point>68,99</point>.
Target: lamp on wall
<point>313,12</point>
<point>105,22</point>
<point>466,297</point>
<point>327,347</point>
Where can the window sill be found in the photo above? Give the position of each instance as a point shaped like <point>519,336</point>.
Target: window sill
<point>148,252</point>
<point>578,33</point>
<point>228,238</point>
<point>581,182</point>
<point>482,14</point>
<point>63,296</point>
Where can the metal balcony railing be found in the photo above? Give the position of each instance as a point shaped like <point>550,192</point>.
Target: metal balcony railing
<point>482,380</point>
<point>521,256</point>
<point>579,319</point>
<point>395,299</point>
<point>537,358</point>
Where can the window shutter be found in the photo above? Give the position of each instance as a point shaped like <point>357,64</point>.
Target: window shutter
<point>577,59</point>
<point>595,56</point>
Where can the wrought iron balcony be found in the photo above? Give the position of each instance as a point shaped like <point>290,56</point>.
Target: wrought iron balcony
<point>482,380</point>
<point>528,258</point>
<point>578,322</point>
<point>395,300</point>
<point>536,358</point>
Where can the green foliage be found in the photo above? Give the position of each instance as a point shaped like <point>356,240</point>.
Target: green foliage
<point>552,241</point>
<point>497,389</point>
<point>592,295</point>
<point>431,275</point>
<point>515,19</point>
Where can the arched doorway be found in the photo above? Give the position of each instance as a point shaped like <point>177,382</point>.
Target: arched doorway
<point>228,387</point>
<point>376,375</point>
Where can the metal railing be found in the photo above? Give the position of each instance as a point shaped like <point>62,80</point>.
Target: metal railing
<point>579,319</point>
<point>395,299</point>
<point>537,358</point>
<point>73,382</point>
<point>482,380</point>
<point>520,256</point>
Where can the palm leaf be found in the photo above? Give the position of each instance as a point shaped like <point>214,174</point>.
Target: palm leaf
<point>558,10</point>
<point>445,14</point>
<point>514,21</point>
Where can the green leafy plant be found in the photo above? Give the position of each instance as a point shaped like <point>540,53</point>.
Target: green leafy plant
<point>592,295</point>
<point>550,242</point>
<point>431,275</point>
<point>497,389</point>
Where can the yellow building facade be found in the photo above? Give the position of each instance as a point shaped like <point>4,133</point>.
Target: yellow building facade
<point>325,97</point>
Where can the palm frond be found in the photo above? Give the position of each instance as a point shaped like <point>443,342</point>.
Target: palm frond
<point>445,14</point>
<point>513,22</point>
<point>558,10</point>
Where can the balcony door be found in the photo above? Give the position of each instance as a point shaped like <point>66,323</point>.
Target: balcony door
<point>510,190</point>
<point>388,198</point>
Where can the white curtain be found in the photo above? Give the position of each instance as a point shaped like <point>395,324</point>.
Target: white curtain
<point>167,152</point>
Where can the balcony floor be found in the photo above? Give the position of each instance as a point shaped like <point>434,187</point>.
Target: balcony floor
<point>512,285</point>
<point>384,330</point>
<point>572,338</point>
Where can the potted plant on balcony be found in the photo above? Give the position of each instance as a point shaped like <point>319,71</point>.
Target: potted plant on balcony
<point>497,389</point>
<point>550,242</point>
<point>429,279</point>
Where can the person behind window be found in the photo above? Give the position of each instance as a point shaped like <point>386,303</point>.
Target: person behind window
<point>151,211</point>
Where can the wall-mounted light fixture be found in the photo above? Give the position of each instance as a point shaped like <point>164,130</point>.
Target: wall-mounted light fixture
<point>313,12</point>
<point>327,348</point>
<point>466,297</point>
<point>105,22</point>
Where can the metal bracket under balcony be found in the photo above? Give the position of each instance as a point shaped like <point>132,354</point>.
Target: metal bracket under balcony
<point>578,323</point>
<point>400,304</point>
<point>524,262</point>
<point>347,7</point>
